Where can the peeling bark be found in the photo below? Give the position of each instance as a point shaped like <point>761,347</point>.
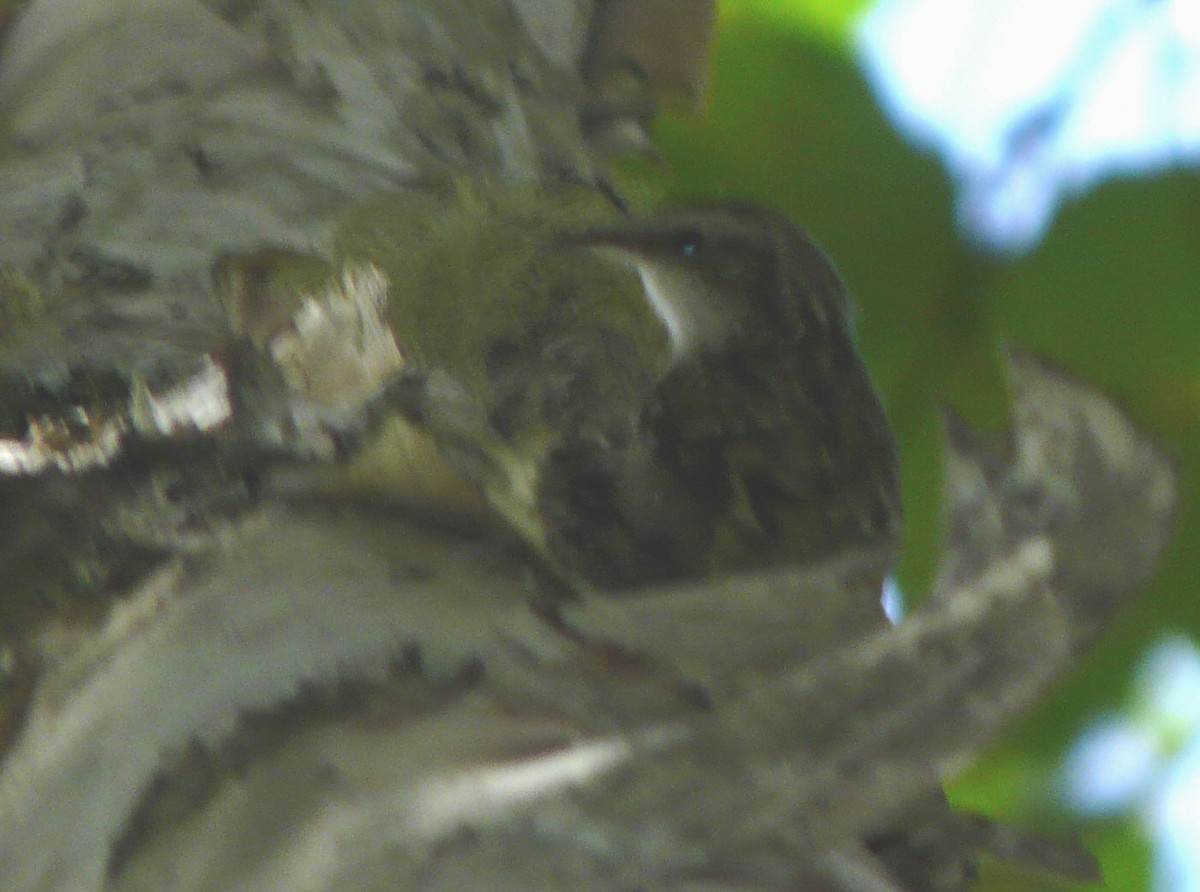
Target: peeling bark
<point>219,676</point>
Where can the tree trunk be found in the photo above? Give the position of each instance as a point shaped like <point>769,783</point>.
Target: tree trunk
<point>221,676</point>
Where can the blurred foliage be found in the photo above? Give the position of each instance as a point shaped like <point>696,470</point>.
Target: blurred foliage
<point>1111,293</point>
<point>825,20</point>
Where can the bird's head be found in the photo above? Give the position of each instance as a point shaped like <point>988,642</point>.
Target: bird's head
<point>719,273</point>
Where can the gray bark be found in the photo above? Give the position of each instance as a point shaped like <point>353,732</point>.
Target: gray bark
<point>217,686</point>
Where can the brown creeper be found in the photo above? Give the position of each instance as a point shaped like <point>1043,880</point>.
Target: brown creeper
<point>715,416</point>
<point>763,441</point>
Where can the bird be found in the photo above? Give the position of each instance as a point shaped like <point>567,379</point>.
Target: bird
<point>763,440</point>
<point>641,397</point>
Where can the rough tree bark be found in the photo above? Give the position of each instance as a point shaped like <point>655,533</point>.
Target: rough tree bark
<point>221,677</point>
